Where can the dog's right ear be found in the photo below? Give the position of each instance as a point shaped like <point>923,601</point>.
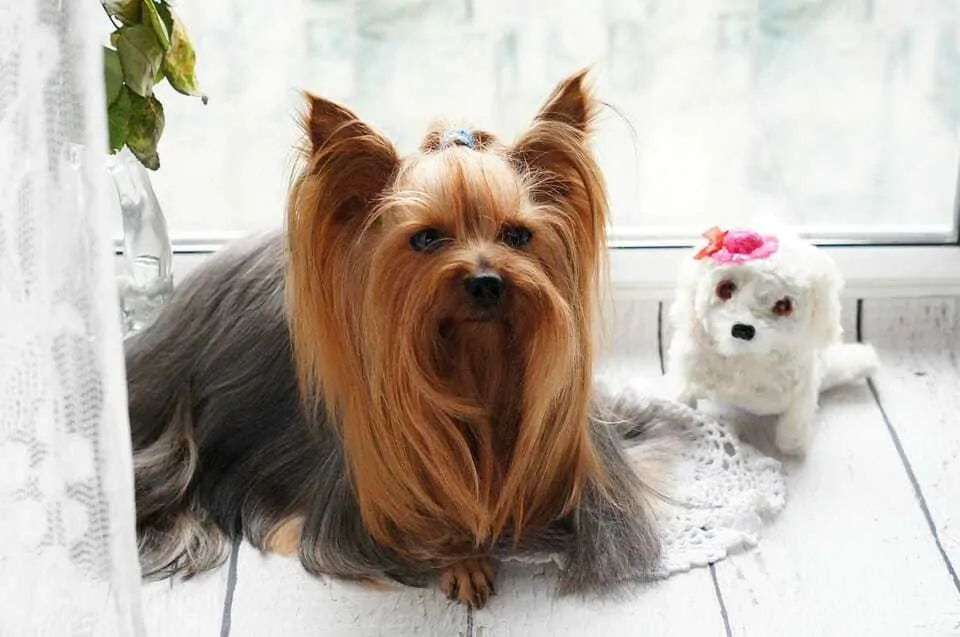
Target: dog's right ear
<point>348,168</point>
<point>355,162</point>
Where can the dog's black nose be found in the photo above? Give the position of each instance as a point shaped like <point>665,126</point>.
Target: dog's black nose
<point>743,332</point>
<point>485,287</point>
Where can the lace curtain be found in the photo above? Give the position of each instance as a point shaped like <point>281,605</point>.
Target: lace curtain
<point>68,561</point>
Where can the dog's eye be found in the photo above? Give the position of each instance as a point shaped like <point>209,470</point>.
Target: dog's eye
<point>725,290</point>
<point>783,307</point>
<point>516,236</point>
<point>425,239</point>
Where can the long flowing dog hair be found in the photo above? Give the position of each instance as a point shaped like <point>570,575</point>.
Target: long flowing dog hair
<point>332,388</point>
<point>366,313</point>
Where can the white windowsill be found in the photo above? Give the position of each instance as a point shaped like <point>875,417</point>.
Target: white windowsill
<point>869,271</point>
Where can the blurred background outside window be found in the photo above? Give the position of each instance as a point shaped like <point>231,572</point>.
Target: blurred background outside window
<point>838,115</point>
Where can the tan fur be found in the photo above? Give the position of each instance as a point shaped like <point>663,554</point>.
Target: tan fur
<point>284,539</point>
<point>456,432</point>
<point>469,581</point>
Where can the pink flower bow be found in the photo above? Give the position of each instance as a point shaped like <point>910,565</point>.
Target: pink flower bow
<point>737,246</point>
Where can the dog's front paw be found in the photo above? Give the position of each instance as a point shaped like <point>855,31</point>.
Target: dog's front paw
<point>469,581</point>
<point>792,436</point>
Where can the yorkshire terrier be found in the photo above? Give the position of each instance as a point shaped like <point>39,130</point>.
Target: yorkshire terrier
<point>399,386</point>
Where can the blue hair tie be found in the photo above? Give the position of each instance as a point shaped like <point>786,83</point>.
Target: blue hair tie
<point>458,137</point>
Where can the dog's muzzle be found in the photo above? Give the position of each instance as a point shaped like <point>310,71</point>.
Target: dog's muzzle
<point>743,332</point>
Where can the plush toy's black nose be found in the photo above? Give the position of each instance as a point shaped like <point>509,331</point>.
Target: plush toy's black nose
<point>743,332</point>
<point>485,287</point>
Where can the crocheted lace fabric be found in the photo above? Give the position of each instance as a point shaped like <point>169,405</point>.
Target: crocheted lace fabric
<point>723,490</point>
<point>68,562</point>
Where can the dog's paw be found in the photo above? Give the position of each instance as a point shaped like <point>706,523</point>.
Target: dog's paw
<point>469,581</point>
<point>792,436</point>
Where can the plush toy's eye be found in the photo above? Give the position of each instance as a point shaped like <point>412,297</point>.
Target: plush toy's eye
<point>725,290</point>
<point>425,239</point>
<point>783,307</point>
<point>516,236</point>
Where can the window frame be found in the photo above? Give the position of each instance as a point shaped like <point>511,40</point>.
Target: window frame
<point>648,272</point>
<point>875,262</point>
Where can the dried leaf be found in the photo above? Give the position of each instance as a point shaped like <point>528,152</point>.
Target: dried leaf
<point>159,28</point>
<point>112,74</point>
<point>146,127</point>
<point>179,63</point>
<point>141,57</point>
<point>118,119</point>
<point>127,11</point>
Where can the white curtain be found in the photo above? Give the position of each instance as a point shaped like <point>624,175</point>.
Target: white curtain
<point>68,562</point>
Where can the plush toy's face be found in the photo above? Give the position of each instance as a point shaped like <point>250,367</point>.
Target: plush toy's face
<point>751,308</point>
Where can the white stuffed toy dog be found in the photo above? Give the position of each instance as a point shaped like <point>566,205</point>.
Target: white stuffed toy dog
<point>756,324</point>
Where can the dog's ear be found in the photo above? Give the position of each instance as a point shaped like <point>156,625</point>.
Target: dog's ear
<point>571,103</point>
<point>354,162</point>
<point>348,168</point>
<point>554,153</point>
<point>560,128</point>
<point>825,288</point>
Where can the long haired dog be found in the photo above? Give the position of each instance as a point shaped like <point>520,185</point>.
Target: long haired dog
<point>400,387</point>
<point>756,323</point>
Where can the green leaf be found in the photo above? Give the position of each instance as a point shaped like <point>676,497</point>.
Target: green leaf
<point>165,12</point>
<point>141,57</point>
<point>146,127</point>
<point>127,11</point>
<point>180,61</point>
<point>153,18</point>
<point>118,119</point>
<point>112,74</point>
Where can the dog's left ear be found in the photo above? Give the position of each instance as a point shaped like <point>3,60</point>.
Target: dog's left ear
<point>825,290</point>
<point>571,103</point>
<point>554,152</point>
<point>559,129</point>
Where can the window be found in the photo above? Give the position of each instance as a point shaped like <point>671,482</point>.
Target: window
<point>839,116</point>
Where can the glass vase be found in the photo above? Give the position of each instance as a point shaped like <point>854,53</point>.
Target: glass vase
<point>145,280</point>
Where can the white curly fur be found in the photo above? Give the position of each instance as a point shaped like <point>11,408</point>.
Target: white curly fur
<point>789,360</point>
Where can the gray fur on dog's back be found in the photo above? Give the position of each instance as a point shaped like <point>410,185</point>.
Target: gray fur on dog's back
<point>222,446</point>
<point>223,450</point>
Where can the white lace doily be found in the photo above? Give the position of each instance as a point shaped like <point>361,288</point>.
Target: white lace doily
<point>723,489</point>
<point>723,492</point>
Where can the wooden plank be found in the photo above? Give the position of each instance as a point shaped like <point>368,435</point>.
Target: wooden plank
<point>525,604</point>
<point>851,553</point>
<point>630,344</point>
<point>193,607</point>
<point>919,389</point>
<point>275,597</point>
<point>848,319</point>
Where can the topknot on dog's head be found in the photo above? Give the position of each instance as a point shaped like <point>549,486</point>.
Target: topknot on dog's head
<point>442,136</point>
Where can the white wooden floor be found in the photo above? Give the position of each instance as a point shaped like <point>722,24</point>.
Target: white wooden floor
<point>869,542</point>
